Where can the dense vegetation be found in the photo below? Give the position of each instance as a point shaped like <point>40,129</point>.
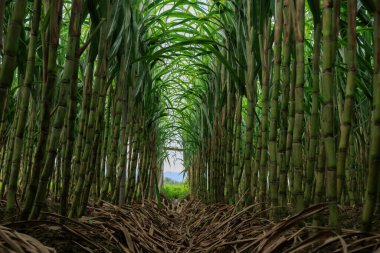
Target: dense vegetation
<point>273,102</point>
<point>175,190</point>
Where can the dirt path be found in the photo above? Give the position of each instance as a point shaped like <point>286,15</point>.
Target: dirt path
<point>191,227</point>
<point>195,227</point>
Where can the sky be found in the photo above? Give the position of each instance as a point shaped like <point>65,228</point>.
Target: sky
<point>174,162</point>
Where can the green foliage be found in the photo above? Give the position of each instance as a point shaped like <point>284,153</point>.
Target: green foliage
<point>175,190</point>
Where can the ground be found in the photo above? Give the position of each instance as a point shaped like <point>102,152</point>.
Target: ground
<point>190,226</point>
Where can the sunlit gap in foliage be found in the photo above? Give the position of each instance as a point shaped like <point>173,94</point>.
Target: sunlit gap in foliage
<point>177,72</point>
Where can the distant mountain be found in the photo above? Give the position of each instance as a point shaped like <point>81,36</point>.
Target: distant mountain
<point>175,176</point>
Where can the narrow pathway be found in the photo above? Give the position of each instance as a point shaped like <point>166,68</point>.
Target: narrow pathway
<point>184,227</point>
<point>196,227</point>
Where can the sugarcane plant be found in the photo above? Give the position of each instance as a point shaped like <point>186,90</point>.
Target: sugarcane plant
<point>274,103</point>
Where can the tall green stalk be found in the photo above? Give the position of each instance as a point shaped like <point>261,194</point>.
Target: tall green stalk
<point>374,151</point>
<point>47,97</point>
<point>345,125</point>
<point>69,148</point>
<point>282,187</point>
<point>115,133</point>
<point>237,152</point>
<point>23,109</point>
<point>93,112</point>
<point>299,126</point>
<point>229,143</point>
<point>251,92</point>
<point>273,177</point>
<point>10,51</point>
<point>67,75</point>
<point>264,55</point>
<point>315,117</point>
<point>327,93</point>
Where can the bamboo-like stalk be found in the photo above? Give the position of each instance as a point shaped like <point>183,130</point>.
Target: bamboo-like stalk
<point>256,167</point>
<point>284,104</point>
<point>345,125</point>
<point>47,95</point>
<point>327,109</point>
<point>273,177</point>
<point>131,186</point>
<point>297,153</point>
<point>111,165</point>
<point>74,33</point>
<point>237,152</point>
<point>100,174</point>
<point>229,142</point>
<point>92,117</point>
<point>314,120</point>
<point>251,106</point>
<point>119,194</point>
<point>23,109</point>
<point>374,151</point>
<point>320,181</point>
<point>11,48</point>
<point>264,55</point>
<point>68,152</point>
<point>8,158</point>
<point>2,12</point>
